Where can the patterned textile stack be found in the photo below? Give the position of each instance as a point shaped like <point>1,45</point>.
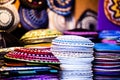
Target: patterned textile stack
<point>109,36</point>
<point>75,54</point>
<point>23,62</point>
<point>106,65</point>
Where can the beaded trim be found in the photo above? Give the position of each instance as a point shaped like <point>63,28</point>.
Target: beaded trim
<point>71,48</point>
<point>36,55</point>
<point>76,67</point>
<point>80,73</point>
<point>72,40</point>
<point>76,61</point>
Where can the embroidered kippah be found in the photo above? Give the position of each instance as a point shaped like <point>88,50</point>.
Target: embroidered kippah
<point>35,55</point>
<point>9,17</point>
<point>2,2</point>
<point>112,11</point>
<point>61,7</point>
<point>34,4</point>
<point>72,40</point>
<point>33,19</point>
<point>40,35</point>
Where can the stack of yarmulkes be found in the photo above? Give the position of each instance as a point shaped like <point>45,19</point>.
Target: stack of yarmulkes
<point>22,61</point>
<point>109,36</point>
<point>92,35</point>
<point>40,37</point>
<point>107,62</point>
<point>75,54</point>
<point>61,7</point>
<point>36,55</point>
<point>33,14</point>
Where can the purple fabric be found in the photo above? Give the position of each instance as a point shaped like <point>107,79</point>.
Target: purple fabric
<point>103,22</point>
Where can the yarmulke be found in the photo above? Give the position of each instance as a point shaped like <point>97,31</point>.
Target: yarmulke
<point>109,34</point>
<point>40,35</point>
<point>61,7</point>
<point>72,40</point>
<point>104,47</point>
<point>63,23</point>
<point>34,4</point>
<point>4,2</point>
<point>9,17</point>
<point>88,20</point>
<point>35,55</point>
<point>32,18</point>
<point>112,11</point>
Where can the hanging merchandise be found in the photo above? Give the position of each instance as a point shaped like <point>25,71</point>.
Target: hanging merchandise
<point>9,17</point>
<point>61,7</point>
<point>33,19</point>
<point>4,2</point>
<point>108,15</point>
<point>88,20</point>
<point>34,4</point>
<point>59,22</point>
<point>111,9</point>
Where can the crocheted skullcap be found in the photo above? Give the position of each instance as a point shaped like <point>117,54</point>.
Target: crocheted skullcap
<point>9,17</point>
<point>34,4</point>
<point>62,7</point>
<point>72,40</point>
<point>33,19</point>
<point>4,2</point>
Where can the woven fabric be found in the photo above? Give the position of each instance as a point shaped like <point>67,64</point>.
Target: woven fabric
<point>34,4</point>
<point>61,7</point>
<point>33,19</point>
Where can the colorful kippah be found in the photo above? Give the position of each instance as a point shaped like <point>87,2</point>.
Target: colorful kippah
<point>62,7</point>
<point>33,19</point>
<point>34,4</point>
<point>2,2</point>
<point>112,11</point>
<point>35,55</point>
<point>9,17</point>
<point>39,35</point>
